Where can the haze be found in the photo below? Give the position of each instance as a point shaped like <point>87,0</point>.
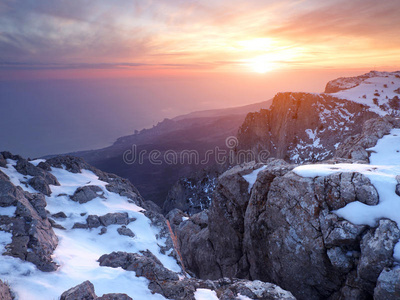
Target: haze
<point>77,75</point>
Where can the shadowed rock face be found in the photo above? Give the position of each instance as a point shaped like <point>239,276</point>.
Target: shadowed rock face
<point>302,127</point>
<point>285,232</point>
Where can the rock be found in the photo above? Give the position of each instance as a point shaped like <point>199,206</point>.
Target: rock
<point>103,230</point>
<point>125,231</point>
<point>355,146</point>
<point>192,194</point>
<point>340,260</point>
<point>83,291</point>
<point>8,193</point>
<point>86,193</point>
<point>93,221</point>
<point>114,297</point>
<point>40,184</point>
<point>114,218</point>
<point>3,161</point>
<point>176,217</point>
<point>60,215</point>
<point>377,250</point>
<point>33,238</point>
<point>80,226</point>
<point>388,285</point>
<point>38,201</point>
<point>142,265</point>
<point>5,292</point>
<point>296,122</point>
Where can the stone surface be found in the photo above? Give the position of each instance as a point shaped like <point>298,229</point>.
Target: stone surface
<point>146,266</point>
<point>388,285</point>
<point>5,293</point>
<point>83,291</point>
<point>86,193</point>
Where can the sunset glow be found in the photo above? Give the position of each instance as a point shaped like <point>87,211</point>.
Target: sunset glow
<point>216,36</point>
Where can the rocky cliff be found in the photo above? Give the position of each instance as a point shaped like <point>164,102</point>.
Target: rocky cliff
<point>304,127</point>
<point>278,224</point>
<point>70,231</point>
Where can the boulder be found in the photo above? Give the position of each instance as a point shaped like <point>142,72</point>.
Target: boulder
<point>86,193</point>
<point>83,291</point>
<point>146,266</point>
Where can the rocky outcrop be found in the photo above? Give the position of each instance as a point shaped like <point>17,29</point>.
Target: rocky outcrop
<point>192,194</point>
<point>168,283</point>
<point>33,238</point>
<point>302,127</point>
<point>5,292</point>
<point>286,232</point>
<point>85,291</point>
<point>355,147</point>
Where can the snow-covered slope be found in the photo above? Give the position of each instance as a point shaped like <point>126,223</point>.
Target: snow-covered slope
<point>380,91</point>
<point>79,249</point>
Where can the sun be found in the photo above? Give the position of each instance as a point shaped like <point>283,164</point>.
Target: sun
<point>262,64</point>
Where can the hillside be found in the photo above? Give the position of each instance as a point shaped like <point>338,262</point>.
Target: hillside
<point>200,131</point>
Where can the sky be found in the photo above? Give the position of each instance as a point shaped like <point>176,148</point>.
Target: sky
<point>122,65</point>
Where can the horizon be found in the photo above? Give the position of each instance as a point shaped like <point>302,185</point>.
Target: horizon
<point>76,76</point>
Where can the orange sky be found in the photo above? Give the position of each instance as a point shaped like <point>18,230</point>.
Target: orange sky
<point>167,37</point>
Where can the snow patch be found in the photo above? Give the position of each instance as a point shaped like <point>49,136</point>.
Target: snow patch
<point>252,177</point>
<point>205,294</point>
<point>384,167</point>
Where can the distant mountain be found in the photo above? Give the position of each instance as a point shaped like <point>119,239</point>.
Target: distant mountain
<point>199,131</point>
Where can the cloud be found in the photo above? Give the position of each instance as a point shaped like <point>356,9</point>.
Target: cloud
<point>187,33</point>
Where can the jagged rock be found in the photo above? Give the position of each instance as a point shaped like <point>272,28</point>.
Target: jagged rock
<point>142,265</point>
<point>38,201</point>
<point>114,296</point>
<point>196,249</point>
<point>192,194</point>
<point>83,291</point>
<point>86,193</point>
<point>33,238</point>
<point>125,231</point>
<point>176,217</point>
<point>93,221</point>
<point>159,221</point>
<point>60,215</point>
<point>153,207</point>
<point>225,288</point>
<point>388,285</point>
<point>5,293</point>
<point>3,161</point>
<point>377,250</point>
<point>114,218</point>
<point>355,146</point>
<point>54,224</point>
<point>40,184</point>
<point>8,193</point>
<point>298,127</point>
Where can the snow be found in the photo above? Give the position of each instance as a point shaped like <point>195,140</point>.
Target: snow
<point>381,86</point>
<point>252,177</point>
<point>37,161</point>
<point>205,294</point>
<point>8,211</point>
<point>242,297</point>
<point>382,171</point>
<point>17,178</point>
<point>79,249</point>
